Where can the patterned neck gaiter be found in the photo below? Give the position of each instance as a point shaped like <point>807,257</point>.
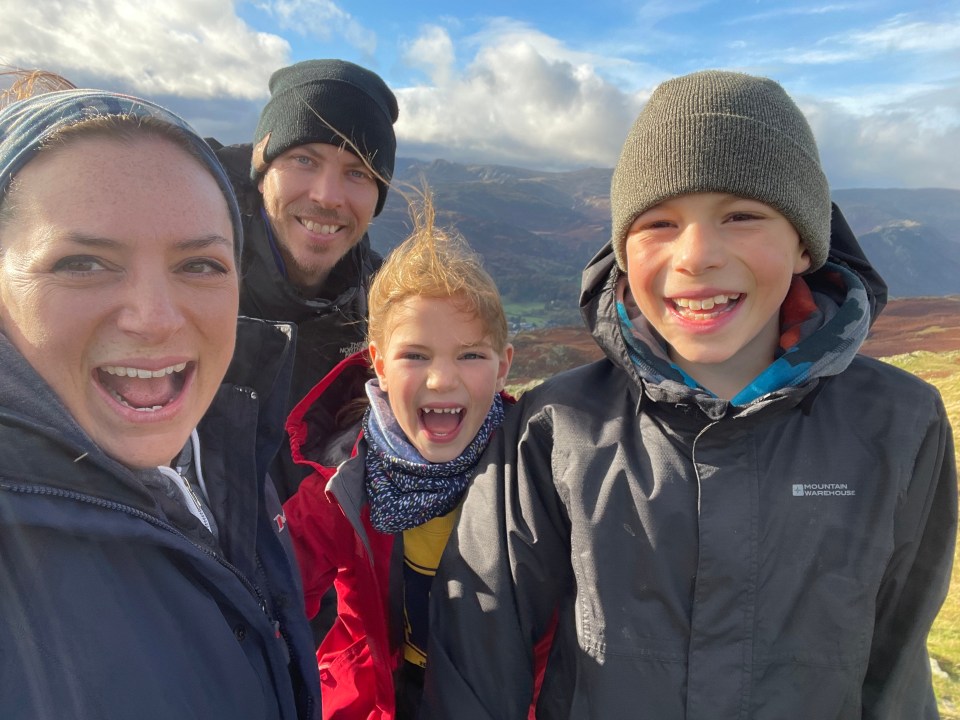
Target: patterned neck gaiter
<point>404,489</point>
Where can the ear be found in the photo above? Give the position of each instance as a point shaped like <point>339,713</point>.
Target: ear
<point>376,360</point>
<point>506,359</point>
<point>802,263</point>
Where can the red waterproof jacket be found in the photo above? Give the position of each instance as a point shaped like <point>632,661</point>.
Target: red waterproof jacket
<point>329,522</point>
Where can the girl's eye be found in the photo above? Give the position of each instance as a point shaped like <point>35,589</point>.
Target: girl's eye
<point>79,265</point>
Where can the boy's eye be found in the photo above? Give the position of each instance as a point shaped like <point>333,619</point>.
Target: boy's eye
<point>473,356</point>
<point>742,216</point>
<point>413,356</point>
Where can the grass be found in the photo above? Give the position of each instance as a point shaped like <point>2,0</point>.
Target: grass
<point>943,370</point>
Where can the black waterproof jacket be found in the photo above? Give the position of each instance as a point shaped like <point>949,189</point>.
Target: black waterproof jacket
<point>330,326</point>
<point>117,603</point>
<point>782,559</point>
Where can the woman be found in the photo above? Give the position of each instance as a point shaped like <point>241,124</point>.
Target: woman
<point>144,566</point>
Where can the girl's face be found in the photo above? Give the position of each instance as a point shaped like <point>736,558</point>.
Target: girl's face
<point>118,285</point>
<point>440,373</point>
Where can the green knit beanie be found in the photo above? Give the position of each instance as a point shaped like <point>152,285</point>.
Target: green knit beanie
<point>724,132</point>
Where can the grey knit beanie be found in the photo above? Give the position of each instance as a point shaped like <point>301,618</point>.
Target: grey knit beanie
<point>323,101</point>
<point>715,131</point>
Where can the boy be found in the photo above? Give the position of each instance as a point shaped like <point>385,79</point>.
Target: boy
<point>375,514</point>
<point>735,515</point>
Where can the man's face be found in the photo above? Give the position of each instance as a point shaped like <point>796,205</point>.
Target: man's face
<point>320,199</point>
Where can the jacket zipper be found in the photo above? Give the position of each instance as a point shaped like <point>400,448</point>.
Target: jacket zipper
<point>155,521</point>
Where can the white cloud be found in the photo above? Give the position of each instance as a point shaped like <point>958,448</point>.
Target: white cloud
<point>433,53</point>
<point>910,142</point>
<point>523,99</point>
<point>901,35</point>
<point>185,48</point>
<point>321,19</point>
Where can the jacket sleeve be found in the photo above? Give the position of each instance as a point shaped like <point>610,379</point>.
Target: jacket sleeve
<point>312,520</point>
<point>503,570</point>
<point>898,682</point>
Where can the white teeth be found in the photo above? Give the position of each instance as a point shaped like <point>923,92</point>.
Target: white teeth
<point>450,411</point>
<point>120,400</point>
<point>704,303</point>
<point>318,228</point>
<point>120,371</point>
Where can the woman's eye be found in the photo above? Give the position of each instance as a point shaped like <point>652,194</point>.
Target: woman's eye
<point>79,265</point>
<point>204,267</point>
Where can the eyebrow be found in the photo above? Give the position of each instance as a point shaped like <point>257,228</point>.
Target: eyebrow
<point>197,243</point>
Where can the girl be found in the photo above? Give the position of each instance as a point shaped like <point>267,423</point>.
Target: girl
<point>374,516</point>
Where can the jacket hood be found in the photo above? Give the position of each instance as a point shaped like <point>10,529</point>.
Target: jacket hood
<point>848,292</point>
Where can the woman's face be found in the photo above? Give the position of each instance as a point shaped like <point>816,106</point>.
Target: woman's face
<point>118,285</point>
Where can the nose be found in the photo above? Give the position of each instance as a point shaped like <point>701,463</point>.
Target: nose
<point>151,309</point>
<point>326,188</point>
<point>698,248</point>
<point>442,376</point>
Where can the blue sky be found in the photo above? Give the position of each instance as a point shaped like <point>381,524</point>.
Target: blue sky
<point>545,85</point>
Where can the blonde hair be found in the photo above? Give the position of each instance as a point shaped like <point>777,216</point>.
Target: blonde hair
<point>434,263</point>
<point>29,82</point>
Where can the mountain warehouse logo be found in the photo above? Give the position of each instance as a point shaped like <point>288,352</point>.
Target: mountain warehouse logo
<point>833,490</point>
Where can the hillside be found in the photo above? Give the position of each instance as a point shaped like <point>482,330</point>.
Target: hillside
<point>537,230</point>
<point>906,325</point>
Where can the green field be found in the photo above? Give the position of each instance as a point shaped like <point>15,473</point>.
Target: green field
<point>943,370</point>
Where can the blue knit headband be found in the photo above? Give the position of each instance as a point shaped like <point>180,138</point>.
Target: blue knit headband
<point>26,124</point>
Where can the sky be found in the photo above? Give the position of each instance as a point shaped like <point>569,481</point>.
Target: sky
<point>548,85</point>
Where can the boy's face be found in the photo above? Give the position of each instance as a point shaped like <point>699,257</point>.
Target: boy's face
<point>440,373</point>
<point>709,271</point>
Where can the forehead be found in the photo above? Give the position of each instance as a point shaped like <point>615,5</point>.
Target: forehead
<point>449,317</point>
<point>130,192</point>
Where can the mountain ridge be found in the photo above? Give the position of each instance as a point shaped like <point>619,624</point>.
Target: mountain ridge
<point>537,230</point>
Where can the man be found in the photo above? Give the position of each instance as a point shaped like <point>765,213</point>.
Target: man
<point>322,159</point>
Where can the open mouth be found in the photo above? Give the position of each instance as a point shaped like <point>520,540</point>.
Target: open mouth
<point>704,308</point>
<point>144,390</point>
<point>441,422</point>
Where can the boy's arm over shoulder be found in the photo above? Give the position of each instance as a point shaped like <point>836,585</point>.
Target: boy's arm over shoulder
<point>898,683</point>
<point>504,568</point>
